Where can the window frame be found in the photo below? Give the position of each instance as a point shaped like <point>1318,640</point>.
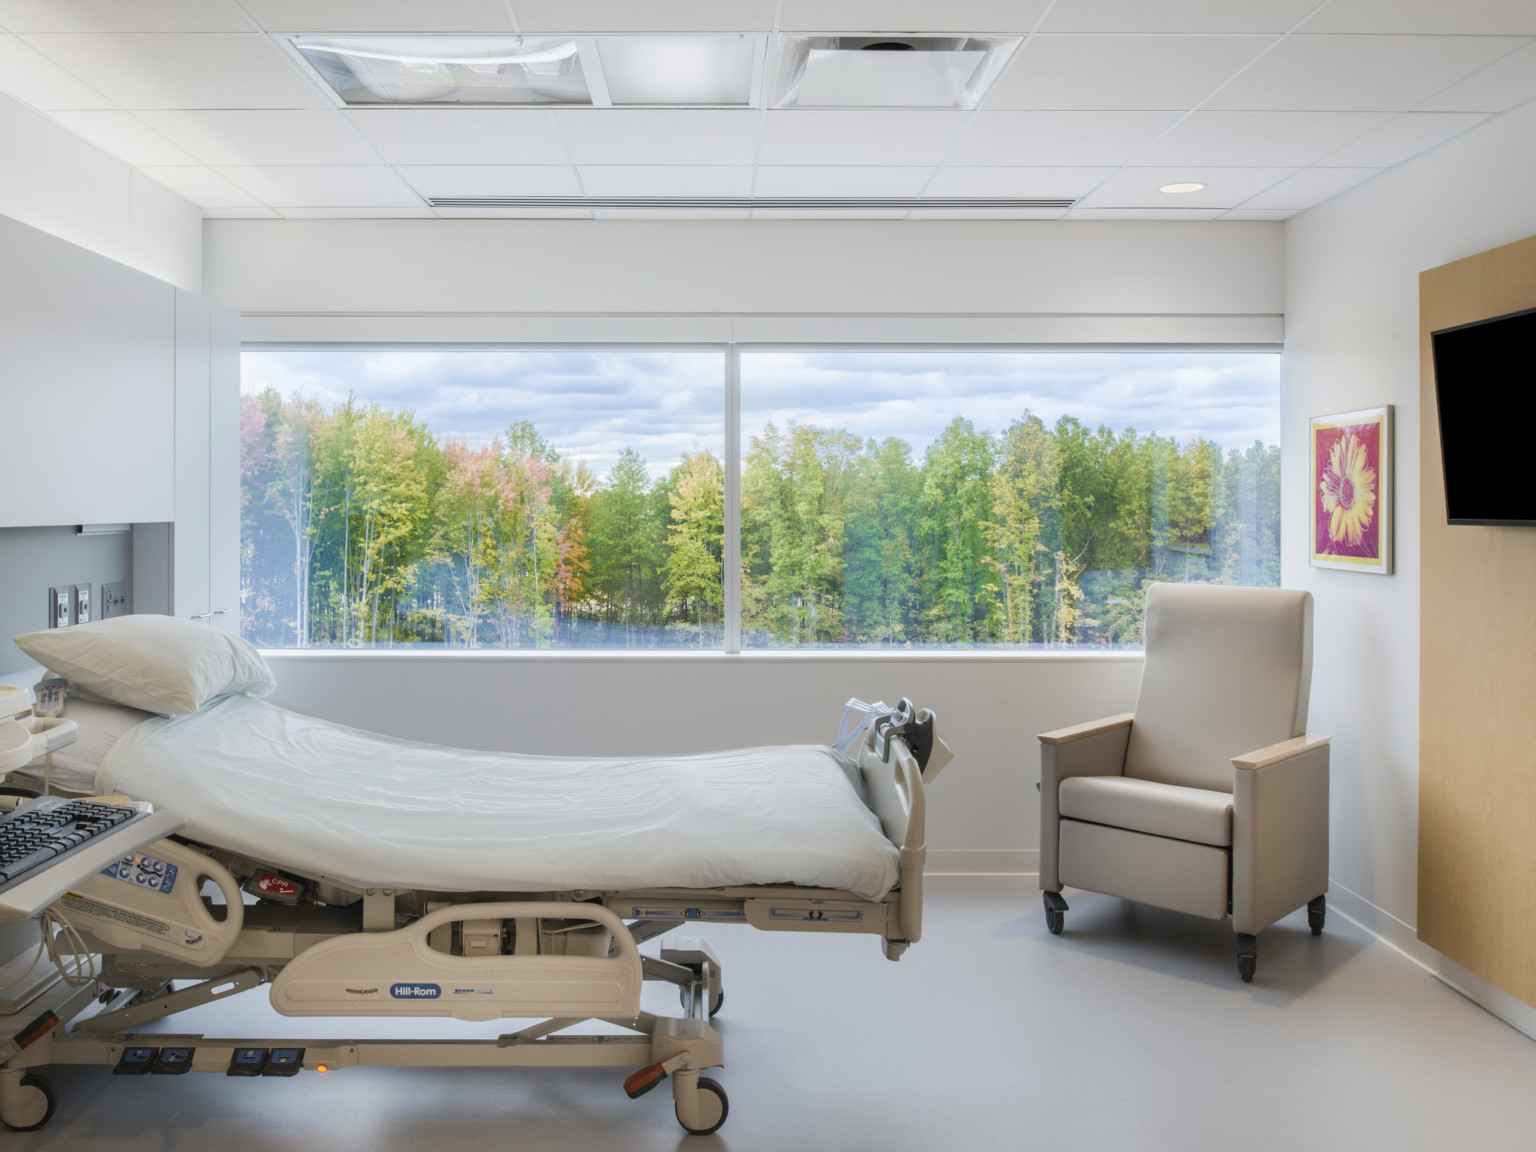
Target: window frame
<point>732,352</point>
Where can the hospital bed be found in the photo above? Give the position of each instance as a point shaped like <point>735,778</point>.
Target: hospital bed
<point>423,895</point>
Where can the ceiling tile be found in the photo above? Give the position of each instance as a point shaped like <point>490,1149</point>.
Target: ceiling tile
<point>1188,16</point>
<point>1400,138</point>
<point>122,16</point>
<point>658,136</point>
<point>660,180</point>
<point>1022,183</point>
<point>1461,18</point>
<point>1358,73</point>
<point>804,136</point>
<point>190,70</point>
<point>1059,138</point>
<point>380,15</point>
<point>241,214</point>
<point>1503,84</point>
<point>838,180</point>
<point>289,136</point>
<point>1310,186</point>
<point>202,186</point>
<point>1121,72</point>
<point>492,179</point>
<point>461,135</point>
<point>32,78</point>
<point>1261,139</point>
<point>125,136</point>
<point>1259,214</point>
<point>972,16</point>
<point>421,211</point>
<point>319,186</point>
<point>674,16</point>
<point>1144,214</point>
<point>1224,187</point>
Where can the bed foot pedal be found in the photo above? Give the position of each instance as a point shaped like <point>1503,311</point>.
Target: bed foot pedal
<point>247,1062</point>
<point>644,1080</point>
<point>136,1061</point>
<point>172,1062</point>
<point>651,1075</point>
<point>284,1062</point>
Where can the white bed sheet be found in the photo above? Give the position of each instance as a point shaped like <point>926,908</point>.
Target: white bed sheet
<point>368,810</point>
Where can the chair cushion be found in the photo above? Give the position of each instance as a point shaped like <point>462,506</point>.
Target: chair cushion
<point>1193,814</point>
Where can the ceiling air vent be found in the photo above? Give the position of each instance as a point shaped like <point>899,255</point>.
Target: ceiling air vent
<point>888,71</point>
<point>738,203</point>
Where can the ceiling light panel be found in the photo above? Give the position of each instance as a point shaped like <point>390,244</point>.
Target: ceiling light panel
<point>679,69</point>
<point>449,69</point>
<point>879,71</point>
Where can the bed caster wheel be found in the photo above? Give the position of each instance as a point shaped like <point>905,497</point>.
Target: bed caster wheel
<point>715,1001</point>
<point>711,1105</point>
<point>1055,912</point>
<point>28,1105</point>
<point>1317,912</point>
<point>1247,956</point>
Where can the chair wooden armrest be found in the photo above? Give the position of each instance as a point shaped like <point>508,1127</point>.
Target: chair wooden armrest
<point>1275,753</point>
<point>1091,728</point>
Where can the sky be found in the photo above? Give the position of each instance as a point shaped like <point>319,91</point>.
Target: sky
<point>592,404</point>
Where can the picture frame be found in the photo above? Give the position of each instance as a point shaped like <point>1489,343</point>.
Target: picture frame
<point>1351,491</point>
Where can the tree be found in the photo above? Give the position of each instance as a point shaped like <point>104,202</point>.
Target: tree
<point>696,542</point>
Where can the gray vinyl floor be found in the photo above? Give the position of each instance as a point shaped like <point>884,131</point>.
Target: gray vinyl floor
<point>1131,1031</point>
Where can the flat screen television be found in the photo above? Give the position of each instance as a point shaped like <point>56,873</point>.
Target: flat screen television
<point>1485,390</point>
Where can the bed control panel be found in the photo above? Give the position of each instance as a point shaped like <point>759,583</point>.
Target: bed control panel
<point>144,871</point>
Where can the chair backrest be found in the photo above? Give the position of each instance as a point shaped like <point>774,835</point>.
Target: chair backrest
<point>1228,671</point>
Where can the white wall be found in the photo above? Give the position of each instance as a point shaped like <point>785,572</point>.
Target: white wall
<point>1352,268</point>
<point>816,280</point>
<point>56,182</point>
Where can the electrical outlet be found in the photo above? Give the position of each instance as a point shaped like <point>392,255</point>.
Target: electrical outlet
<point>59,607</point>
<point>82,603</point>
<point>114,599</point>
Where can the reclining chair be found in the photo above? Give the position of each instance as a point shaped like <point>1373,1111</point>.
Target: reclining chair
<point>1209,798</point>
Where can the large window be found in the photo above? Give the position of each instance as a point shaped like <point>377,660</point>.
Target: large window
<point>511,498</point>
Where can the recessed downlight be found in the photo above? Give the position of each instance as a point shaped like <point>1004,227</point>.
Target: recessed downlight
<point>1181,189</point>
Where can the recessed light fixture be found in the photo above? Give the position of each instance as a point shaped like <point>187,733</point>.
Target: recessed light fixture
<point>449,69</point>
<point>1180,189</point>
<point>678,69</point>
<point>888,71</point>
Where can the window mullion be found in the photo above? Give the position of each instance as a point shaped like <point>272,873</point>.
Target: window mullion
<point>732,549</point>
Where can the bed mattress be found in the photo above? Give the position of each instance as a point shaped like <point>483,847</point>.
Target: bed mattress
<point>367,810</point>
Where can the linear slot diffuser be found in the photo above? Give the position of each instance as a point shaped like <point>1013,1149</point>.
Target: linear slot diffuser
<point>795,203</point>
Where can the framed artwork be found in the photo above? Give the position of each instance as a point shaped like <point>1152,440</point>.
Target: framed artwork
<point>1352,491</point>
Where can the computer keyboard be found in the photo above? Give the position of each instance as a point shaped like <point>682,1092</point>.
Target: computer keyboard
<point>43,831</point>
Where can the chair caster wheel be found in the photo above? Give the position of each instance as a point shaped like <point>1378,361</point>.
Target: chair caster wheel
<point>713,1108</point>
<point>1247,956</point>
<point>1055,912</point>
<point>1317,912</point>
<point>31,1106</point>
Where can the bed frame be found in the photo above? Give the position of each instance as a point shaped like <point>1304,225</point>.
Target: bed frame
<point>560,959</point>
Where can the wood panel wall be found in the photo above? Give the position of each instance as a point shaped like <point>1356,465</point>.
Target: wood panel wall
<point>1477,671</point>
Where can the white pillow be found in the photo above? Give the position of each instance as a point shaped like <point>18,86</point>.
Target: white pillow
<point>157,663</point>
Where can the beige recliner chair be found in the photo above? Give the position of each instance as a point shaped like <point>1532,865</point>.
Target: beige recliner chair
<point>1209,798</point>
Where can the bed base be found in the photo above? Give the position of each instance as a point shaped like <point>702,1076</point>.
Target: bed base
<point>559,959</point>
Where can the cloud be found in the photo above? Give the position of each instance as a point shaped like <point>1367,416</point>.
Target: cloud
<point>592,404</point>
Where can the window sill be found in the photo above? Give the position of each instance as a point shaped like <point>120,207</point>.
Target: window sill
<point>709,656</point>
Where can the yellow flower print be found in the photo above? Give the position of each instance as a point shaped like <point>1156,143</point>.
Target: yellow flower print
<point>1349,491</point>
